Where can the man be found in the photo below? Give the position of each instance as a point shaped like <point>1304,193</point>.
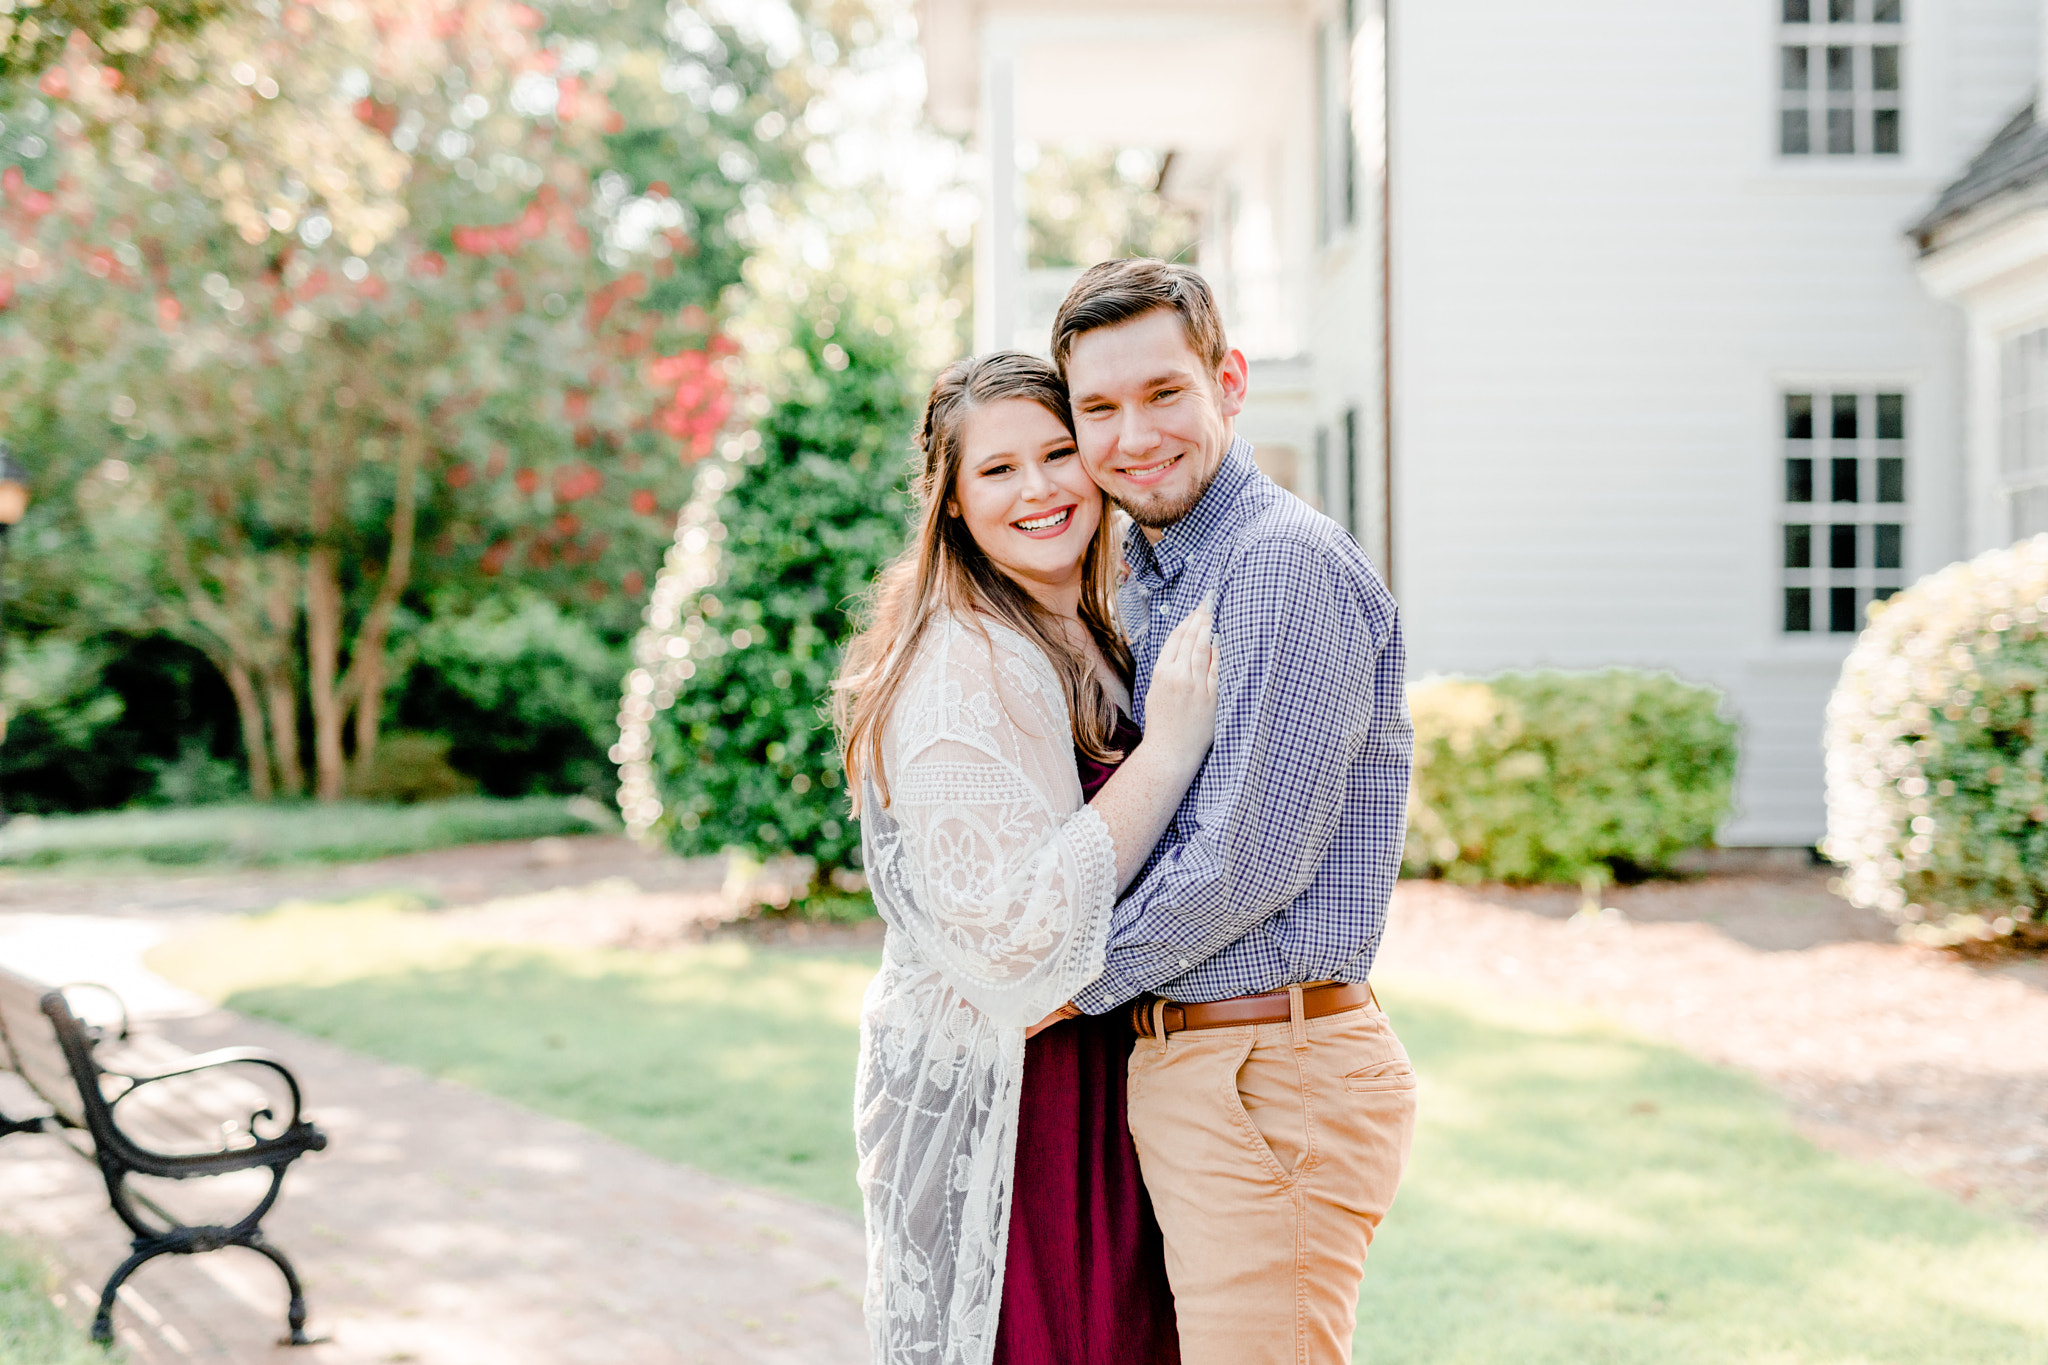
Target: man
<point>1271,1104</point>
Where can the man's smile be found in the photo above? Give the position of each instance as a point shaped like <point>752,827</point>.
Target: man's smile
<point>1150,473</point>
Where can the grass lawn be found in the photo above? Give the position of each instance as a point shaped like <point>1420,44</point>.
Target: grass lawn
<point>735,1061</point>
<point>32,1331</point>
<point>246,835</point>
<point>1577,1195</point>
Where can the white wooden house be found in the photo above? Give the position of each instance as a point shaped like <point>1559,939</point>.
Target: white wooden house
<point>1618,333</point>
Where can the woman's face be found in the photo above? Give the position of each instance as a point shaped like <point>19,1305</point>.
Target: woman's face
<point>1024,496</point>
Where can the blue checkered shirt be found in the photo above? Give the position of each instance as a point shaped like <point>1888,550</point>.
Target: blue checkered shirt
<point>1279,863</point>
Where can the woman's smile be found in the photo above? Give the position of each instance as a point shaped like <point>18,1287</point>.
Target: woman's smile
<point>1047,525</point>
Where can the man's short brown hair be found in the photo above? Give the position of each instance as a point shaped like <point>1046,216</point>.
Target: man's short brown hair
<point>1115,292</point>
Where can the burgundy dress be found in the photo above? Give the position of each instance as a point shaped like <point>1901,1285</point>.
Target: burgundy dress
<point>1085,1280</point>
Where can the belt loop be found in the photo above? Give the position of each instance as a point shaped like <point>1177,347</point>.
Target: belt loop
<point>1159,1022</point>
<point>1372,997</point>
<point>1297,1017</point>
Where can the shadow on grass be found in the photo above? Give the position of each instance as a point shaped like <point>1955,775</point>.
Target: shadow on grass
<point>1577,1195</point>
<point>264,835</point>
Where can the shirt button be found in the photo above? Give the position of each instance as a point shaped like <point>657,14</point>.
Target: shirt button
<point>1160,609</point>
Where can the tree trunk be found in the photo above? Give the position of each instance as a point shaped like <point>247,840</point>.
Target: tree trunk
<point>284,728</point>
<point>364,685</point>
<point>229,629</point>
<point>323,662</point>
<point>369,709</point>
<point>281,606</point>
<point>250,709</point>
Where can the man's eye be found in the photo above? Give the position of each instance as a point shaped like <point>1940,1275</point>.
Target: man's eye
<point>1165,394</point>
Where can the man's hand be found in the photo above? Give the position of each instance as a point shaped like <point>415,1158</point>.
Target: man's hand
<point>1070,1010</point>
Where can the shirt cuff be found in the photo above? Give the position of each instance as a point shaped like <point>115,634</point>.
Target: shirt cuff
<point>1129,973</point>
<point>1105,993</point>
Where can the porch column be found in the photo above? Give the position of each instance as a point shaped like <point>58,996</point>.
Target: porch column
<point>998,242</point>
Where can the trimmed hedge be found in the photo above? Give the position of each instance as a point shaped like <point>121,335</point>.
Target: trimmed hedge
<point>1555,776</point>
<point>1937,745</point>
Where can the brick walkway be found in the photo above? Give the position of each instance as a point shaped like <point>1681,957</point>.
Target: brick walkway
<point>442,1226</point>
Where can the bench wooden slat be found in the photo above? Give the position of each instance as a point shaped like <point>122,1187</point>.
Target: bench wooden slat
<point>32,1050</point>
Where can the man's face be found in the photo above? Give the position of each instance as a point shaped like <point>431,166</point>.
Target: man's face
<point>1152,421</point>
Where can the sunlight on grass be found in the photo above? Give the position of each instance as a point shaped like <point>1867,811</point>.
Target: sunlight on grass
<point>1577,1195</point>
<point>735,1061</point>
<point>1593,1197</point>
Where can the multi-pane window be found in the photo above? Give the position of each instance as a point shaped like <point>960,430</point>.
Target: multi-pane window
<point>1844,507</point>
<point>1839,77</point>
<point>2023,446</point>
<point>1337,142</point>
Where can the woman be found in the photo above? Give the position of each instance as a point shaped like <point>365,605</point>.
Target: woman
<point>1006,1220</point>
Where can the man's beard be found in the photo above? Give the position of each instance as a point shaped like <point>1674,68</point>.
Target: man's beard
<point>1160,511</point>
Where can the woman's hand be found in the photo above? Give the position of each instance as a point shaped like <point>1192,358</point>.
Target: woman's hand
<point>1070,1010</point>
<point>1180,705</point>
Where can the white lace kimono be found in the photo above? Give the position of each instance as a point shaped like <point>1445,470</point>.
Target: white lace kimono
<point>996,883</point>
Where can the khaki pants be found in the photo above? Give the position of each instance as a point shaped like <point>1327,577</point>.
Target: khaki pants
<point>1271,1153</point>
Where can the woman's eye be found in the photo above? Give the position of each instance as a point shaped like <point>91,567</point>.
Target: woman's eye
<point>995,469</point>
<point>1059,454</point>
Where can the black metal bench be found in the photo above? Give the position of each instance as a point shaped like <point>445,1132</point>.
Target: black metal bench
<point>145,1111</point>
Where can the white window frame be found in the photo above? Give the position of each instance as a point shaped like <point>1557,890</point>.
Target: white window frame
<point>1340,184</point>
<point>1860,37</point>
<point>1881,434</point>
<point>2023,426</point>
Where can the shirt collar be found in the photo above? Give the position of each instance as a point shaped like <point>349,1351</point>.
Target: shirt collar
<point>1194,531</point>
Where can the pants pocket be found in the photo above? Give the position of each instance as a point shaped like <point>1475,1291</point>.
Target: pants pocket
<point>1264,1091</point>
<point>1389,1075</point>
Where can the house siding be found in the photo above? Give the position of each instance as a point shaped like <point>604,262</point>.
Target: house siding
<point>1603,277</point>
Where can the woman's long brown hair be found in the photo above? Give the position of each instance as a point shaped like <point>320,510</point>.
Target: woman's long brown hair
<point>942,571</point>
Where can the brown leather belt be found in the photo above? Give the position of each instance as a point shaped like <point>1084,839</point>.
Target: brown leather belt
<point>1275,1007</point>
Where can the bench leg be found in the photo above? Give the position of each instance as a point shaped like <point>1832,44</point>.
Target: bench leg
<point>295,1315</point>
<point>103,1322</point>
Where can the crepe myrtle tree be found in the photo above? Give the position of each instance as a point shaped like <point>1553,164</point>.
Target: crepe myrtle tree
<point>396,297</point>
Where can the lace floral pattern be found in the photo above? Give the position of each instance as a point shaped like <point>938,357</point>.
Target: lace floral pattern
<point>996,884</point>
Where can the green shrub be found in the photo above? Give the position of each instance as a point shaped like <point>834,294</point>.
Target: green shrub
<point>1937,746</point>
<point>1546,777</point>
<point>725,742</point>
<point>114,720</point>
<point>194,778</point>
<point>524,691</point>
<point>409,767</point>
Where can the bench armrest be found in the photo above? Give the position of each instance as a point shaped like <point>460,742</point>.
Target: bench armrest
<point>98,1033</point>
<point>227,1056</point>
